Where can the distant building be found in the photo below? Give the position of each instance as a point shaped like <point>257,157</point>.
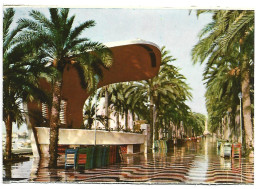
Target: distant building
<point>206,132</point>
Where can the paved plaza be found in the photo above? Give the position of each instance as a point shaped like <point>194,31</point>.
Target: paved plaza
<point>190,163</point>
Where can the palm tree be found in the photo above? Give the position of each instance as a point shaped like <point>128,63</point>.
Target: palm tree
<point>120,102</point>
<point>228,30</point>
<point>113,100</point>
<point>196,121</point>
<point>105,92</point>
<point>107,107</point>
<point>223,85</point>
<point>168,86</point>
<point>63,47</point>
<point>89,114</point>
<point>21,68</point>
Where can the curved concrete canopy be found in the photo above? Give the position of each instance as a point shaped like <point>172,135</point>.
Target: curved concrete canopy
<point>132,61</point>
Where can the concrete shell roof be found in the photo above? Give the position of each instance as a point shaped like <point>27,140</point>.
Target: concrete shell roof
<point>133,60</point>
<point>130,42</point>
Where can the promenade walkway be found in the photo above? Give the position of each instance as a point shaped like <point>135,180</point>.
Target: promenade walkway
<point>191,163</point>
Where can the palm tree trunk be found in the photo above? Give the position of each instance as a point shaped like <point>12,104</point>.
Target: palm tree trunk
<point>117,120</point>
<point>133,116</point>
<point>246,102</point>
<point>126,119</point>
<point>133,120</point>
<point>156,126</point>
<point>8,142</point>
<point>176,130</point>
<point>106,108</point>
<point>180,130</point>
<point>54,124</point>
<point>222,129</point>
<point>8,171</point>
<point>151,121</point>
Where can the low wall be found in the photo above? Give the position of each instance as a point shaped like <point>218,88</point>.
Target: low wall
<point>87,137</point>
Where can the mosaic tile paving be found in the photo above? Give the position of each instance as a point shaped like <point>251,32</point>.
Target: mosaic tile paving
<point>192,163</point>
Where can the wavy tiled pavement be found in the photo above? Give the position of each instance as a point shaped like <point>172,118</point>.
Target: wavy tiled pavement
<point>194,163</point>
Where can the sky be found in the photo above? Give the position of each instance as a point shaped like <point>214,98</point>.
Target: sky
<point>176,29</point>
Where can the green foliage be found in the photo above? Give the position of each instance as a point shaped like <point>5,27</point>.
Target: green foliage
<point>59,43</point>
<point>196,121</point>
<point>89,114</point>
<point>168,92</point>
<point>62,46</point>
<point>223,44</point>
<point>21,69</point>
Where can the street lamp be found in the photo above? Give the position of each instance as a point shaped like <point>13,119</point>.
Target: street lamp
<point>240,99</point>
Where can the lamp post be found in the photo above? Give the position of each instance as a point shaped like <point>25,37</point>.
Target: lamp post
<point>240,99</point>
